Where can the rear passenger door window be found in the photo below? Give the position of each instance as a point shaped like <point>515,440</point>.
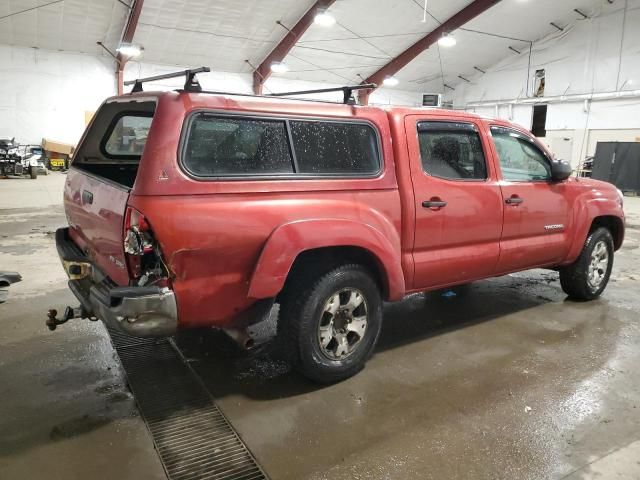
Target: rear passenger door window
<point>333,148</point>
<point>224,146</point>
<point>451,150</point>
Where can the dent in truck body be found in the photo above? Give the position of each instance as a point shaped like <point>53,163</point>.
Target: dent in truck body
<point>139,311</point>
<point>218,276</point>
<point>290,240</point>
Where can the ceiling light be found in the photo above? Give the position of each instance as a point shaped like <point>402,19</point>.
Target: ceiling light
<point>447,40</point>
<point>390,82</point>
<point>129,50</point>
<point>279,67</point>
<point>324,19</point>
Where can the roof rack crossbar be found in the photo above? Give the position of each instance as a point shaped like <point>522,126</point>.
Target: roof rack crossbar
<point>347,92</point>
<point>191,83</point>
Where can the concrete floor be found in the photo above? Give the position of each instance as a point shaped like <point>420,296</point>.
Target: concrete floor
<point>507,379</point>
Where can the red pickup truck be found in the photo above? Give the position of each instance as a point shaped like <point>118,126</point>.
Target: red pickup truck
<point>195,209</point>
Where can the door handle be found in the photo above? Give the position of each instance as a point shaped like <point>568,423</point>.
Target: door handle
<point>434,203</point>
<point>87,197</point>
<point>514,200</point>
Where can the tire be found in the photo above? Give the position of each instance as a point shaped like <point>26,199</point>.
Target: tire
<point>33,172</point>
<point>334,302</point>
<point>587,277</point>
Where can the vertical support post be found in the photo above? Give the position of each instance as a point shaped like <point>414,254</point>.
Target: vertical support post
<point>127,37</point>
<point>529,69</point>
<point>120,78</point>
<point>363,97</point>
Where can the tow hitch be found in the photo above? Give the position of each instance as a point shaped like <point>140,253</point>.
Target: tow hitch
<point>69,313</point>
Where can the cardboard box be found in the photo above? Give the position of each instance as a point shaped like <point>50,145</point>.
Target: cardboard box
<point>57,147</point>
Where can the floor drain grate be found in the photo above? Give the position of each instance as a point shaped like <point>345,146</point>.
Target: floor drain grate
<point>193,438</point>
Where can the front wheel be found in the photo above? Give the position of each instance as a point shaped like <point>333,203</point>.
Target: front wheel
<point>587,277</point>
<point>330,324</point>
<point>33,172</point>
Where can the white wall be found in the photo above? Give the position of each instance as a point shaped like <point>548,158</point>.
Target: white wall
<point>596,55</point>
<point>46,94</point>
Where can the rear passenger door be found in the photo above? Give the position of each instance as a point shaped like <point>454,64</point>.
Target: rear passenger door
<point>536,211</point>
<point>457,201</point>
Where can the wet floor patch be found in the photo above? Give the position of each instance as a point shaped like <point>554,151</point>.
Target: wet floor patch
<point>77,426</point>
<point>503,378</point>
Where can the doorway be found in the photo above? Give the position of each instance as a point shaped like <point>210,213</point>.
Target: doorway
<point>539,123</point>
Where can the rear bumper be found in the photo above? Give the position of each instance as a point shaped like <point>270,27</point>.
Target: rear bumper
<point>138,311</point>
<point>6,279</point>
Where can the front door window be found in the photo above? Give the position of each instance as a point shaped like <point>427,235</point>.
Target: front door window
<point>520,159</point>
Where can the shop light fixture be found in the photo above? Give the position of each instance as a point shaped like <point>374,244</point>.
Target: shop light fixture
<point>279,67</point>
<point>130,50</point>
<point>324,19</point>
<point>447,40</point>
<point>390,81</point>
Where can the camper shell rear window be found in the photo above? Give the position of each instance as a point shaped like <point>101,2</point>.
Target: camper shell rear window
<point>127,135</point>
<point>115,141</point>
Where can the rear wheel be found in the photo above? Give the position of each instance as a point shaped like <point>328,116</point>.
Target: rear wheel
<point>588,276</point>
<point>329,324</point>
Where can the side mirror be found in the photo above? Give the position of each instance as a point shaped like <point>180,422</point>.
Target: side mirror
<point>560,170</point>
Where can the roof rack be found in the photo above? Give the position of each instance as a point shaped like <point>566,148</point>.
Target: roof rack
<point>347,92</point>
<point>191,83</point>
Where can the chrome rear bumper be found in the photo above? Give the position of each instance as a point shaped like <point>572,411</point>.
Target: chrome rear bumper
<point>6,279</point>
<point>138,311</point>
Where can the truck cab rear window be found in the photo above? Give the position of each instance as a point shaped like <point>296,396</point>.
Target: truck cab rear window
<point>128,135</point>
<point>231,146</point>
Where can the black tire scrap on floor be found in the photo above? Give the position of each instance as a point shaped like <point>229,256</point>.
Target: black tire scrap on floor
<point>194,440</point>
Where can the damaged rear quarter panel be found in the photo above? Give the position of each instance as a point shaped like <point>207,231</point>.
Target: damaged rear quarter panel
<point>212,243</point>
<point>212,232</point>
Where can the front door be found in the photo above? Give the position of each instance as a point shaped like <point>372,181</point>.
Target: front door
<point>536,211</point>
<point>458,202</point>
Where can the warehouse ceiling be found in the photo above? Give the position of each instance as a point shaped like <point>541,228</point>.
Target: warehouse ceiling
<point>224,34</point>
<point>70,25</point>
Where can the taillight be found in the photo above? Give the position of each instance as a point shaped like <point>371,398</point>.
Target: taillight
<point>137,240</point>
<point>137,233</point>
<point>142,252</point>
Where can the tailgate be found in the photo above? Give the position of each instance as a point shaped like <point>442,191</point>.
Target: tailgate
<point>102,173</point>
<point>95,211</point>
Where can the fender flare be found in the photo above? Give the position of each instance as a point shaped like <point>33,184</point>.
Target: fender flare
<point>289,240</point>
<point>584,215</point>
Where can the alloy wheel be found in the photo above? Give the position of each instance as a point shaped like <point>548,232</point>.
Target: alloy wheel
<point>343,323</point>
